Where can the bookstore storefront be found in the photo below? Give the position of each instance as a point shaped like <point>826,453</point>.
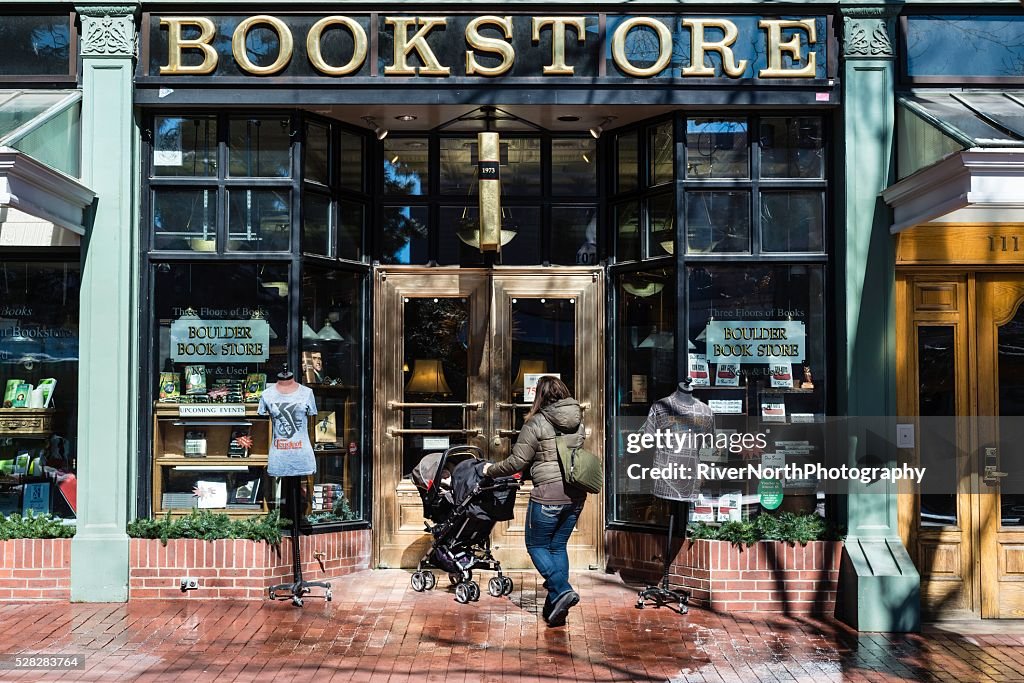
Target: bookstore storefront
<point>348,224</point>
<point>318,189</point>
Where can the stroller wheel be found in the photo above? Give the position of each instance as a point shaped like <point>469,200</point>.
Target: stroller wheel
<point>474,589</point>
<point>419,583</point>
<point>496,587</point>
<point>454,578</point>
<point>462,593</point>
<point>507,585</point>
<point>431,580</point>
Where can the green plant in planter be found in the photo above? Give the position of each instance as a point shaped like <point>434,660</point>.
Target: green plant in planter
<point>785,526</point>
<point>209,526</point>
<point>34,526</point>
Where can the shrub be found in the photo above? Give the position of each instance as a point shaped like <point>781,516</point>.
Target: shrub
<point>785,526</point>
<point>209,526</point>
<point>34,526</point>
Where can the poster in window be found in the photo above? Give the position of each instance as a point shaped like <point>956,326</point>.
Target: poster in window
<point>727,375</point>
<point>782,375</point>
<point>700,375</point>
<point>530,380</point>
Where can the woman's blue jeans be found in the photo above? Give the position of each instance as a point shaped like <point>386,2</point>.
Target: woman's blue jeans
<point>548,528</point>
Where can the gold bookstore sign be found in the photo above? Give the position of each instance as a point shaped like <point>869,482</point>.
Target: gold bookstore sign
<point>303,46</point>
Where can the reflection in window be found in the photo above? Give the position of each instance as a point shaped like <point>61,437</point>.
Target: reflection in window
<point>574,238</point>
<point>351,162</point>
<point>259,220</point>
<point>792,147</point>
<point>350,230</point>
<point>1010,379</point>
<point>662,154</point>
<point>627,150</point>
<point>435,368</point>
<point>543,342</point>
<point>717,148</point>
<point>406,164</point>
<point>260,146</point>
<point>185,220</point>
<point>333,341</point>
<point>645,337</point>
<point>316,224</point>
<point>519,160</point>
<point>965,45</point>
<point>574,167</point>
<point>661,222</point>
<point>403,235</point>
<point>318,157</point>
<point>185,146</point>
<point>627,232</point>
<point>936,368</point>
<point>718,222</point>
<point>39,341</point>
<point>792,221</point>
<point>36,45</point>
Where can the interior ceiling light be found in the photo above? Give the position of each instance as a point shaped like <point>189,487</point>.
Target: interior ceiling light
<point>380,132</point>
<point>598,129</point>
<point>405,117</point>
<point>568,118</point>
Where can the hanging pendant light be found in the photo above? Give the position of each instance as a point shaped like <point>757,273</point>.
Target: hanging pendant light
<point>307,331</point>
<point>328,333</point>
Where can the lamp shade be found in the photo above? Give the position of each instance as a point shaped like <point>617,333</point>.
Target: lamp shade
<point>427,378</point>
<point>527,365</point>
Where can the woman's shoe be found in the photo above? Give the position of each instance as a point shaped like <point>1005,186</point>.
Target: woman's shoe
<point>562,606</point>
<point>548,606</point>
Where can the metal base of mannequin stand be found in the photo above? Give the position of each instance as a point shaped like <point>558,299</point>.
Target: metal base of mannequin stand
<point>663,594</point>
<point>297,589</point>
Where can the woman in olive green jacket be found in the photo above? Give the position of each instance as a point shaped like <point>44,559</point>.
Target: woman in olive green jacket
<point>554,505</point>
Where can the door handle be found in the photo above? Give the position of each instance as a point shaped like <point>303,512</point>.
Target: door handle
<point>992,474</point>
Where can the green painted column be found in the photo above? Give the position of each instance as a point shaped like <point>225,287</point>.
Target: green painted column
<point>879,586</point>
<point>99,552</point>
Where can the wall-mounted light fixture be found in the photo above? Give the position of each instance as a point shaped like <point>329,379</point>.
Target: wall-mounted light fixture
<point>379,131</point>
<point>596,131</point>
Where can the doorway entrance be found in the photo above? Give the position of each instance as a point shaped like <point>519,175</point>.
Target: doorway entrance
<point>457,351</point>
<point>961,353</point>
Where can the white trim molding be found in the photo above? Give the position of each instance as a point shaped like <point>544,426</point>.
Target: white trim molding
<point>38,190</point>
<point>972,186</point>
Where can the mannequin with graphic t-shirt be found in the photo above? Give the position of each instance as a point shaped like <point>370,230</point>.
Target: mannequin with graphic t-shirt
<point>678,413</point>
<point>289,405</point>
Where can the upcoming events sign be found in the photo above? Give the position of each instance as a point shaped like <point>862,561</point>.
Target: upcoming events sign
<point>220,341</point>
<point>758,341</point>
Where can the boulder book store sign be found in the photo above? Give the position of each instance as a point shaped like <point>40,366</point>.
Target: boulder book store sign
<point>308,47</point>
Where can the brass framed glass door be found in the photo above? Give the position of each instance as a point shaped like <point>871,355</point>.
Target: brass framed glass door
<point>457,352</point>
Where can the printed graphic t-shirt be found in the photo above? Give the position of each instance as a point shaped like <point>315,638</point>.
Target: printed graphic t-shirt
<point>291,454</point>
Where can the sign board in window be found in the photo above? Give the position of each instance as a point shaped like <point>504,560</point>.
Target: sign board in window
<point>220,341</point>
<point>757,341</point>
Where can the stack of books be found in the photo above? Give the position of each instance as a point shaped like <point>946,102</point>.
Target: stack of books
<point>325,496</point>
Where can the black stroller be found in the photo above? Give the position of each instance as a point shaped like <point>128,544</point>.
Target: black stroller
<point>464,506</point>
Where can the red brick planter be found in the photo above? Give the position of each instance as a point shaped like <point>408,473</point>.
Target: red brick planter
<point>35,569</point>
<point>239,569</point>
<point>769,576</point>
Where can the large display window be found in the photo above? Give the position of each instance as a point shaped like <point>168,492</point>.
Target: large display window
<point>256,250</point>
<point>737,244</point>
<point>39,305</point>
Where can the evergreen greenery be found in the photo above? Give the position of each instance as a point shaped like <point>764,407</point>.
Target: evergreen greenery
<point>209,526</point>
<point>34,526</point>
<point>785,526</point>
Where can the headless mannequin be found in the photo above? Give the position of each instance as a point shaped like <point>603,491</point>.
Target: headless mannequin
<point>299,588</point>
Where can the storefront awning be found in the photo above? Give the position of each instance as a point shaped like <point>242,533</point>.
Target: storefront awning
<point>960,157</point>
<point>41,203</point>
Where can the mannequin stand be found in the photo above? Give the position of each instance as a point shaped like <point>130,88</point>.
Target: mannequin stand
<point>663,594</point>
<point>298,588</point>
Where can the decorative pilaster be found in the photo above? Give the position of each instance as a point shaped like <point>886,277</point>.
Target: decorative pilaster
<point>878,582</point>
<point>99,551</point>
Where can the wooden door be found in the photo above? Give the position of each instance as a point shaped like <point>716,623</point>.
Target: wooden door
<point>934,339</point>
<point>452,348</point>
<point>1000,357</point>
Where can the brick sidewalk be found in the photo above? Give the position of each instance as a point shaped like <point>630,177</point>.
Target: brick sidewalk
<point>377,629</point>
